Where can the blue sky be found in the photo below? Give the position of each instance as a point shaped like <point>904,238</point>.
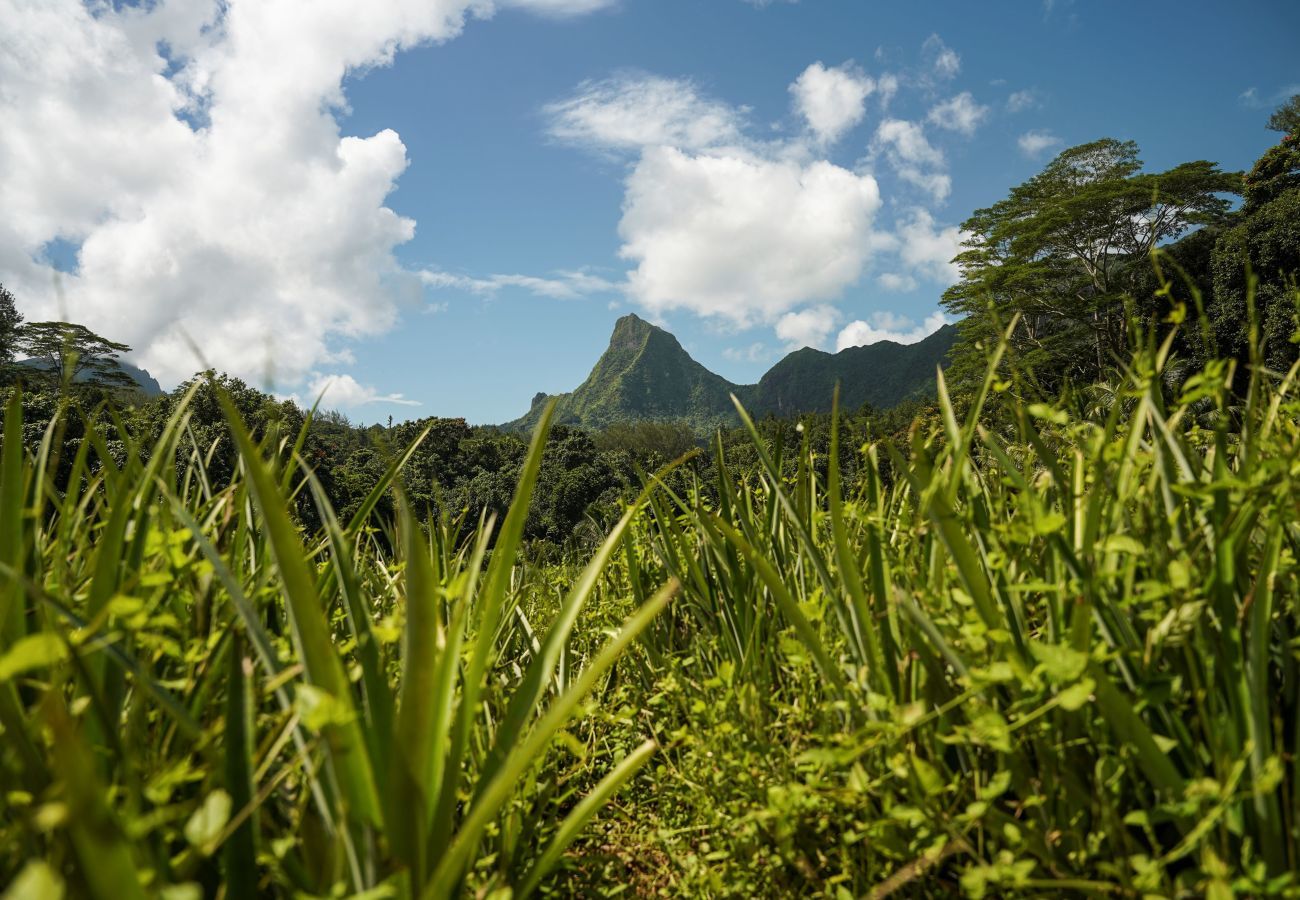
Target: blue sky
<point>456,209</point>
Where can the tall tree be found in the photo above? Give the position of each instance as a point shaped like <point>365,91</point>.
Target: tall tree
<point>1286,118</point>
<point>1063,248</point>
<point>10,322</point>
<point>71,352</point>
<point>1266,237</point>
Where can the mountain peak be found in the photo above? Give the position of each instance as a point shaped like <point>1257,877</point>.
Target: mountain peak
<point>646,375</point>
<point>630,326</point>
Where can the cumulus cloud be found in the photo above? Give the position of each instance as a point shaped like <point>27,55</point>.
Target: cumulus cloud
<point>928,249</point>
<point>960,113</point>
<point>1034,144</point>
<point>831,101</point>
<point>705,234</point>
<point>808,327</point>
<point>635,110</point>
<point>758,231</point>
<point>192,150</point>
<point>912,156</point>
<point>942,59</point>
<point>884,326</point>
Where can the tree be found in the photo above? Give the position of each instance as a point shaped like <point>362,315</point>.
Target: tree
<point>10,322</point>
<point>72,352</point>
<point>1062,250</point>
<point>1286,118</point>
<point>1265,236</point>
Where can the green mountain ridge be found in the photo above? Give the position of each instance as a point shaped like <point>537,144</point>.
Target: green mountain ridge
<point>646,375</point>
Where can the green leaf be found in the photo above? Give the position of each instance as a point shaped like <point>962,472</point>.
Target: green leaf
<point>37,881</point>
<point>36,651</point>
<point>206,824</point>
<point>990,729</point>
<point>1075,696</point>
<point>1123,543</point>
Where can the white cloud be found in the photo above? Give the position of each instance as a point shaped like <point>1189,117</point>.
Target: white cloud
<point>1035,143</point>
<point>831,101</point>
<point>262,232</point>
<point>892,281</point>
<point>808,327</point>
<point>1022,100</point>
<point>560,8</point>
<point>912,156</point>
<point>344,390</point>
<point>960,113</point>
<point>748,231</point>
<point>886,326</point>
<point>564,285</point>
<point>755,352</point>
<point>633,110</point>
<point>741,237</point>
<point>928,249</point>
<point>942,59</point>
<point>886,88</point>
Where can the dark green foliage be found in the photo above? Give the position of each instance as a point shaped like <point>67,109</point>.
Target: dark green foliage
<point>1286,118</point>
<point>881,375</point>
<point>10,323</point>
<point>1063,252</point>
<point>208,434</point>
<point>1265,238</point>
<point>658,441</point>
<point>646,376</point>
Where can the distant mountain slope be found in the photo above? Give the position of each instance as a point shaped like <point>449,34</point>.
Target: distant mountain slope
<point>645,374</point>
<point>147,384</point>
<point>882,374</point>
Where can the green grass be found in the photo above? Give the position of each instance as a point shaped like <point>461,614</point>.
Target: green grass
<point>193,692</point>
<point>1040,650</point>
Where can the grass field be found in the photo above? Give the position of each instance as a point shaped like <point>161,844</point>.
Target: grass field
<point>1049,651</point>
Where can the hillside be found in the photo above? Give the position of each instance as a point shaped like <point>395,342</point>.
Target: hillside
<point>882,374</point>
<point>646,375</point>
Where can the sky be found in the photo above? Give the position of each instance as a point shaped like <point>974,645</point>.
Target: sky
<point>440,207</point>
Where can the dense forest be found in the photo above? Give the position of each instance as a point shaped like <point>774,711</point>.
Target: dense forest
<point>1033,634</point>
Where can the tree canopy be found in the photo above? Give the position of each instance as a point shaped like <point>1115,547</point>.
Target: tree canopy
<point>1063,251</point>
<point>10,322</point>
<point>72,352</point>
<point>1263,243</point>
<point>1286,118</point>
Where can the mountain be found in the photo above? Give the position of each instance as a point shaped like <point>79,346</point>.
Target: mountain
<point>645,374</point>
<point>146,383</point>
<point>883,374</point>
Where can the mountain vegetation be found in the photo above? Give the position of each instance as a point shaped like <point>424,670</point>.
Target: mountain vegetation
<point>646,375</point>
<point>1030,633</point>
